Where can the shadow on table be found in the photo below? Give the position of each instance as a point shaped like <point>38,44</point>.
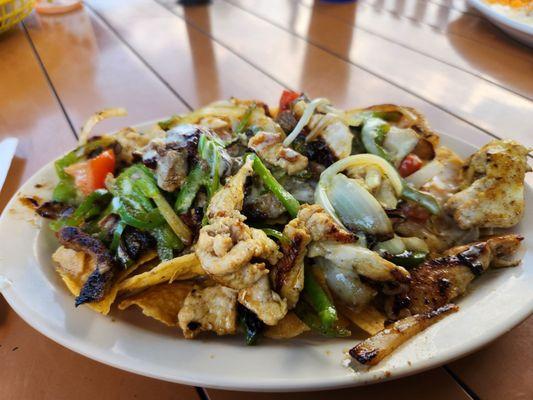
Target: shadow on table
<point>4,308</point>
<point>203,54</point>
<point>314,62</point>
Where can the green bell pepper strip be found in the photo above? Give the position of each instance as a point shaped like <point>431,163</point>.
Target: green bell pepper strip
<point>167,242</point>
<point>145,183</point>
<point>308,315</point>
<point>124,186</point>
<point>424,199</point>
<point>372,136</point>
<point>209,150</point>
<point>319,299</point>
<point>190,188</point>
<point>117,233</point>
<point>250,324</point>
<point>245,119</point>
<point>289,202</point>
<point>177,225</point>
<point>276,235</point>
<point>133,214</point>
<point>135,189</point>
<point>408,258</point>
<point>65,191</point>
<point>91,206</point>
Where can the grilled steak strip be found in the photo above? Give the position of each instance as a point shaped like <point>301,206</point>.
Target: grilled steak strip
<point>437,282</point>
<point>100,279</point>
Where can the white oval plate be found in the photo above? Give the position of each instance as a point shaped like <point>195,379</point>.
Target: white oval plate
<point>519,30</point>
<point>497,301</point>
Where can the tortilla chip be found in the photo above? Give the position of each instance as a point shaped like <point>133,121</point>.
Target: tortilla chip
<point>368,319</point>
<point>290,326</point>
<point>161,302</point>
<point>179,268</point>
<point>144,260</point>
<point>103,306</point>
<point>75,266</point>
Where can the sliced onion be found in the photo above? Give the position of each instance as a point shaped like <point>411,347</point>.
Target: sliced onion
<point>365,160</point>
<point>346,285</point>
<point>386,196</point>
<point>392,246</point>
<point>356,207</point>
<point>309,110</point>
<point>372,178</point>
<point>321,198</point>
<point>398,245</point>
<point>415,244</point>
<point>425,174</point>
<point>95,118</point>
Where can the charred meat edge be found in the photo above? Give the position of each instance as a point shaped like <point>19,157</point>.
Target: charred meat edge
<point>54,210</point>
<point>100,279</point>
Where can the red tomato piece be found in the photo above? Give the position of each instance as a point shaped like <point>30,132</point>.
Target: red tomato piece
<point>416,212</point>
<point>90,175</point>
<point>287,97</point>
<point>100,166</point>
<point>410,164</point>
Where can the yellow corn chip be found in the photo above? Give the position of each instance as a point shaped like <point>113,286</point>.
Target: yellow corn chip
<point>368,319</point>
<point>179,268</point>
<point>161,302</point>
<point>290,326</point>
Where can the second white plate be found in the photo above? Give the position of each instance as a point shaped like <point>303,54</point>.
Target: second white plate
<point>519,30</point>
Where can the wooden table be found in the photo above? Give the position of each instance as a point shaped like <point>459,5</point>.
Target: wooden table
<point>156,58</point>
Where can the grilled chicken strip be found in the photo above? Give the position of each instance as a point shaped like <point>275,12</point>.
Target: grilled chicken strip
<point>226,248</point>
<point>99,281</point>
<point>311,223</point>
<point>264,302</point>
<point>231,252</point>
<point>288,273</point>
<point>270,148</point>
<point>330,129</point>
<point>493,190</point>
<point>441,280</point>
<point>374,349</point>
<point>209,309</point>
<point>321,226</point>
<point>231,197</point>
